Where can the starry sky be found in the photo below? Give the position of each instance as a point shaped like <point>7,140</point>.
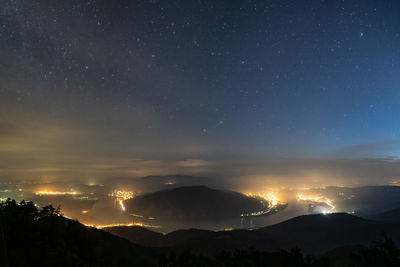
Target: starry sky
<point>278,90</point>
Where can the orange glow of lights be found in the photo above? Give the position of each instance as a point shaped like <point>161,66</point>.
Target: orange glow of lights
<point>120,196</point>
<point>317,198</point>
<point>98,226</point>
<point>271,198</point>
<point>55,193</point>
<point>121,203</point>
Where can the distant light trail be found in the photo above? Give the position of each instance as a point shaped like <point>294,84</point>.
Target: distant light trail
<point>121,203</point>
<point>101,226</point>
<point>55,193</point>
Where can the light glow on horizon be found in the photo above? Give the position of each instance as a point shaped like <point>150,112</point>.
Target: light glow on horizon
<point>317,199</point>
<point>270,197</point>
<point>101,226</point>
<point>55,193</point>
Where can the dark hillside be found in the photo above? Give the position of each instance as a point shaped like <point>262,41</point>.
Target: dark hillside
<point>45,238</point>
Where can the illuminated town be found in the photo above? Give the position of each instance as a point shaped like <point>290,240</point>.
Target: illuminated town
<point>101,226</point>
<point>317,202</point>
<point>121,196</point>
<point>269,200</point>
<point>55,193</point>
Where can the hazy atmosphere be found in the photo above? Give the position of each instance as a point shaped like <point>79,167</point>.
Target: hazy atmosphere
<point>184,133</point>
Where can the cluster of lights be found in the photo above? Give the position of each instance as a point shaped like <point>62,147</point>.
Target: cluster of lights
<point>271,198</point>
<point>120,196</point>
<point>317,199</point>
<point>120,224</point>
<point>254,214</point>
<point>55,193</point>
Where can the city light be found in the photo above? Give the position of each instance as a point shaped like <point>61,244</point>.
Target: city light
<point>100,226</point>
<point>318,199</point>
<point>55,193</point>
<point>120,196</point>
<point>121,204</point>
<point>271,198</point>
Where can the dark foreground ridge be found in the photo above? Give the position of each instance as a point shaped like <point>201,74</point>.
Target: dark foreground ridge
<point>314,234</point>
<point>33,237</point>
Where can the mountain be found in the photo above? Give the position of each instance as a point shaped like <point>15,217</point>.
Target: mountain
<point>324,232</point>
<point>162,182</point>
<point>312,233</point>
<point>193,204</point>
<point>171,181</point>
<point>389,215</point>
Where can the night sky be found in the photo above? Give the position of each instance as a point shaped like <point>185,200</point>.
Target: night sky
<point>282,91</point>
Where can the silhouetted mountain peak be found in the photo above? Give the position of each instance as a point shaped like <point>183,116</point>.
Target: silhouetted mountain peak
<point>194,203</point>
<point>312,233</point>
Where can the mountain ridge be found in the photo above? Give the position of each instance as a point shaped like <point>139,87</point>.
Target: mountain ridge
<point>315,233</point>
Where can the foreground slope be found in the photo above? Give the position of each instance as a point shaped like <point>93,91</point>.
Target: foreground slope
<point>33,237</point>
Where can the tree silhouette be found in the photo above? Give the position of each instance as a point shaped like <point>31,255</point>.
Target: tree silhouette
<point>382,252</point>
<point>43,237</point>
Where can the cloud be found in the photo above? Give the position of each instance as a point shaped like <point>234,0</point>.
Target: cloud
<point>8,129</point>
<point>385,148</point>
<point>194,163</point>
<point>36,145</point>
